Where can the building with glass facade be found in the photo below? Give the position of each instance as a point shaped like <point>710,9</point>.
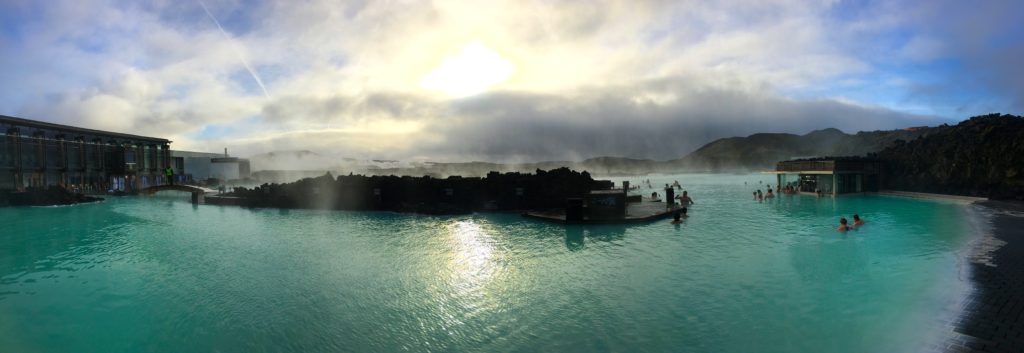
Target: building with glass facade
<point>36,154</point>
<point>830,175</point>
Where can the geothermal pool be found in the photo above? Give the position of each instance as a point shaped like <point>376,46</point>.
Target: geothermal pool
<point>160,275</point>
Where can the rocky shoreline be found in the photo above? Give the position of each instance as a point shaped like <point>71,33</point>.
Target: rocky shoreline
<point>992,316</point>
<point>426,195</point>
<point>51,196</point>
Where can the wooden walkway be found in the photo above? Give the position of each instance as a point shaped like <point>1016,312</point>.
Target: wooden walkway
<point>636,212</point>
<point>178,187</point>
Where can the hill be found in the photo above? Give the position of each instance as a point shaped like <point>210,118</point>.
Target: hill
<point>761,151</point>
<point>734,154</point>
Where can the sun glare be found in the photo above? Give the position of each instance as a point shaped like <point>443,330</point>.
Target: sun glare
<point>471,71</point>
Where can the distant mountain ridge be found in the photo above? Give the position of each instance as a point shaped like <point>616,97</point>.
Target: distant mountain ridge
<point>733,154</point>
<point>761,151</point>
<point>981,156</point>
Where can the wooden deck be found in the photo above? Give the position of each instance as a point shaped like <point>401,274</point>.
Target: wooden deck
<point>636,212</point>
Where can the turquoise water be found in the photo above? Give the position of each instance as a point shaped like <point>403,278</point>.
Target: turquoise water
<point>157,274</point>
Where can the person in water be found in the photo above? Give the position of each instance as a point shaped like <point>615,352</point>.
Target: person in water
<point>760,196</point>
<point>843,226</point>
<point>677,218</point>
<point>857,222</point>
<point>685,199</point>
<point>755,194</point>
<point>770,194</point>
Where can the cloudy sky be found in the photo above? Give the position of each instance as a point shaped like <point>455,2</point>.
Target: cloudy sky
<point>497,80</point>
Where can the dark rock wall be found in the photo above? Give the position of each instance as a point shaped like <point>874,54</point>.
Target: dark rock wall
<point>982,156</point>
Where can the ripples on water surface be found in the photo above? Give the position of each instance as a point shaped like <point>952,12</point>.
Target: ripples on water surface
<point>157,274</point>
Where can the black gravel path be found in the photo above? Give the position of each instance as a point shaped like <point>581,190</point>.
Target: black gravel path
<point>992,319</point>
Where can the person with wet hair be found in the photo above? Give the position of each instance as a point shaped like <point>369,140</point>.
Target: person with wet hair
<point>677,218</point>
<point>857,222</point>
<point>842,225</point>
<point>685,199</point>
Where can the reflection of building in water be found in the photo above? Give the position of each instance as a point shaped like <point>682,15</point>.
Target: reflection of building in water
<point>38,154</point>
<point>833,176</point>
<point>576,235</point>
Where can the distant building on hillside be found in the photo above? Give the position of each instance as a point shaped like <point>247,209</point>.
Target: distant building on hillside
<point>198,167</point>
<point>192,166</point>
<point>40,154</point>
<point>830,175</point>
<point>229,168</point>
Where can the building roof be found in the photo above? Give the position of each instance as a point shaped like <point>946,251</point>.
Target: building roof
<point>834,158</point>
<point>193,154</point>
<point>45,125</point>
<point>829,165</point>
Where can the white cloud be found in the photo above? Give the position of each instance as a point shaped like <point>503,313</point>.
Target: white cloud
<point>348,75</point>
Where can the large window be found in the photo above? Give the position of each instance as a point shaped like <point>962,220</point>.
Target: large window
<point>29,152</point>
<point>848,183</point>
<point>147,152</point>
<point>825,183</point>
<point>130,155</point>
<point>54,156</point>
<point>808,183</point>
<point>6,151</point>
<point>74,153</point>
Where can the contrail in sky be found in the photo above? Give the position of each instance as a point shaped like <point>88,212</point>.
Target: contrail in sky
<point>238,53</point>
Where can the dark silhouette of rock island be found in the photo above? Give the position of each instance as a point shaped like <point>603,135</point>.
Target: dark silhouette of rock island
<point>50,196</point>
<point>452,195</point>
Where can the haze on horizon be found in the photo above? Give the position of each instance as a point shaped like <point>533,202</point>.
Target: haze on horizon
<point>504,80</point>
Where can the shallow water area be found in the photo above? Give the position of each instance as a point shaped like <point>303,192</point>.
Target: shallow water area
<point>159,274</point>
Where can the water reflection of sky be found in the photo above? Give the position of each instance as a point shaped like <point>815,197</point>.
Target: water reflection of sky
<point>471,266</point>
<point>775,272</point>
